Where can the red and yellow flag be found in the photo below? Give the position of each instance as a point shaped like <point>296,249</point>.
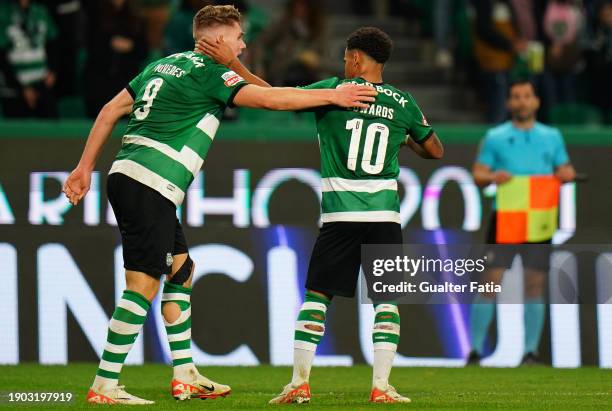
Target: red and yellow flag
<point>527,209</point>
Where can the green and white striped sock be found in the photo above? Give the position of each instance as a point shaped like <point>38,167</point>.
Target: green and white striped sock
<point>309,330</point>
<point>179,331</point>
<point>125,324</point>
<point>385,336</point>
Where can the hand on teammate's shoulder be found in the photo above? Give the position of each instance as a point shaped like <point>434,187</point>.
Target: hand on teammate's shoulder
<point>355,95</point>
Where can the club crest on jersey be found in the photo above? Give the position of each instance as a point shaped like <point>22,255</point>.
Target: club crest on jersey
<point>169,259</point>
<point>231,78</point>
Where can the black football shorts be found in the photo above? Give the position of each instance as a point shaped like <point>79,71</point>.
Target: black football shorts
<point>150,232</point>
<point>336,256</point>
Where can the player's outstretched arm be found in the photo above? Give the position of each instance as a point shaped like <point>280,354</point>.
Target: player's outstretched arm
<point>292,99</point>
<point>77,184</point>
<point>431,148</point>
<point>223,54</point>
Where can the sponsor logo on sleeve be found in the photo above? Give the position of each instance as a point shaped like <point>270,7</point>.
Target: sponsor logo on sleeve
<point>231,78</point>
<point>425,120</point>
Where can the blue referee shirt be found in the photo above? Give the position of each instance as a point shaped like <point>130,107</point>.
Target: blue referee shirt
<point>537,151</point>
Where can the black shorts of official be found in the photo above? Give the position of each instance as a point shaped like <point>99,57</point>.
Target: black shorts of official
<point>150,232</point>
<point>336,256</point>
<point>502,255</point>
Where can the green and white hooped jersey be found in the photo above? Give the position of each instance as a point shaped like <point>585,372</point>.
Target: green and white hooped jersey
<point>359,150</point>
<point>178,104</point>
<point>24,35</point>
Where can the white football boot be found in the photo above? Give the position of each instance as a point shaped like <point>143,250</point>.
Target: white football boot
<point>115,395</point>
<point>390,395</point>
<point>198,387</point>
<point>293,395</point>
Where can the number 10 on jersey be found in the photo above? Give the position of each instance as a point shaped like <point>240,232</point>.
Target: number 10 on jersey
<point>373,131</point>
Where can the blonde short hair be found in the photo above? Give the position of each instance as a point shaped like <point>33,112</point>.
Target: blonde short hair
<point>215,15</point>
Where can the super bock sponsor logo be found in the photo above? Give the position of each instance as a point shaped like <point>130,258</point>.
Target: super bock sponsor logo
<point>231,78</point>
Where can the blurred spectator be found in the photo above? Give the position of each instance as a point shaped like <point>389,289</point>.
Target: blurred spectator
<point>156,14</point>
<point>66,14</point>
<point>291,50</point>
<point>599,57</point>
<point>525,19</point>
<point>254,20</point>
<point>563,21</point>
<point>497,43</point>
<point>450,23</point>
<point>179,36</point>
<point>28,59</point>
<point>116,45</point>
<point>442,28</point>
<point>179,31</point>
<point>379,8</point>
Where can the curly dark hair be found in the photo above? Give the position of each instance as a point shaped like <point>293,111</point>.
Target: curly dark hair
<point>372,41</point>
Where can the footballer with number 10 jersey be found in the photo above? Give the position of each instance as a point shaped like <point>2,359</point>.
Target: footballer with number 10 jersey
<point>359,153</point>
<point>360,205</point>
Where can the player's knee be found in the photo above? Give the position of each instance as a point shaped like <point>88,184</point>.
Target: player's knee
<point>534,291</point>
<point>493,275</point>
<point>142,283</point>
<point>183,273</point>
<point>171,311</point>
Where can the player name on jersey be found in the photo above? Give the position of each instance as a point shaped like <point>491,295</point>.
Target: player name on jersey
<point>376,110</point>
<point>170,69</point>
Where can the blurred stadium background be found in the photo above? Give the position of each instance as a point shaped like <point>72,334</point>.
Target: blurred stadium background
<point>251,216</point>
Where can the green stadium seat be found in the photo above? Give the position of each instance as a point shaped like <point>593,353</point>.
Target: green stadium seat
<point>608,117</point>
<point>575,113</point>
<point>71,107</point>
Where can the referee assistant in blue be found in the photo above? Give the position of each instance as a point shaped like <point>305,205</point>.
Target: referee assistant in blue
<point>521,146</point>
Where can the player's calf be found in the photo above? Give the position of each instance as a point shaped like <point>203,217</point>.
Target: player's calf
<point>125,325</point>
<point>309,329</point>
<point>385,337</point>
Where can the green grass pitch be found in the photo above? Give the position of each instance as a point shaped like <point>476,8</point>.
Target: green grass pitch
<point>535,388</point>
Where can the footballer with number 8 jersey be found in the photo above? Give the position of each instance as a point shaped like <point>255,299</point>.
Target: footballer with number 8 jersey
<point>174,107</point>
<point>360,205</point>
